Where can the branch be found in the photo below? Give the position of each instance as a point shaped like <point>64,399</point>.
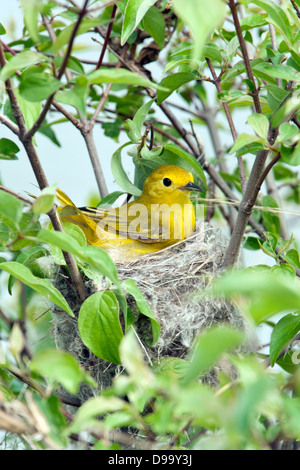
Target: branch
<point>87,133</point>
<point>41,177</point>
<point>30,133</point>
<point>296,8</point>
<point>255,93</point>
<point>230,122</point>
<point>106,93</point>
<point>109,28</point>
<point>268,169</point>
<point>252,189</point>
<point>10,124</point>
<point>72,39</point>
<point>19,196</point>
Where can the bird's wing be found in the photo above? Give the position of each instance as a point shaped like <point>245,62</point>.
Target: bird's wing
<point>121,222</point>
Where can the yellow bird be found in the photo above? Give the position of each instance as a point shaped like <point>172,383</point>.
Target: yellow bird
<point>161,216</point>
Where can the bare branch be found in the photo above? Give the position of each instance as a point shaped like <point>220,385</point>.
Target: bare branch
<point>10,124</point>
<point>87,133</point>
<point>109,28</point>
<point>19,196</point>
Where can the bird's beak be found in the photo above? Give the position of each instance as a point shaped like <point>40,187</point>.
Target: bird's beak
<point>192,187</point>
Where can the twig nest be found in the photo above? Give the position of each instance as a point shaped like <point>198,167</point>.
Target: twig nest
<point>171,281</point>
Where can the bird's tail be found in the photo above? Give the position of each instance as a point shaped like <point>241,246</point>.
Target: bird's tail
<point>70,213</point>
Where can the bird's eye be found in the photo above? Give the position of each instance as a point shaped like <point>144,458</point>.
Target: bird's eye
<point>167,182</point>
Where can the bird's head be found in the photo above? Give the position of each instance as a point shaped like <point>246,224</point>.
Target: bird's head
<point>170,181</point>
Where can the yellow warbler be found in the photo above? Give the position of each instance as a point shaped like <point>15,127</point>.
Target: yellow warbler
<point>161,216</point>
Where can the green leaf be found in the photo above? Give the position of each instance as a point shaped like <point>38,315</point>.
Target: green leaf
<point>267,292</point>
<point>31,10</point>
<point>120,175</point>
<point>209,346</point>
<point>285,330</point>
<point>154,24</point>
<point>202,18</point>
<point>122,76</point>
<point>251,243</point>
<point>134,13</point>
<point>276,96</point>
<point>72,230</point>
<point>44,203</point>
<point>73,64</point>
<point>8,149</point>
<point>31,110</point>
<point>141,114</point>
<point>151,154</point>
<point>246,143</point>
<point>278,17</point>
<point>130,286</point>
<point>172,83</point>
<point>288,107</point>
<point>287,131</point>
<point>278,71</point>
<point>20,61</point>
<point>91,254</point>
<point>132,131</point>
<point>2,29</point>
<point>77,95</point>
<point>60,366</point>
<point>247,404</point>
<point>253,21</point>
<point>290,155</point>
<point>232,47</point>
<point>212,52</point>
<point>292,257</point>
<point>42,286</point>
<point>65,35</point>
<point>108,200</point>
<point>270,219</point>
<point>260,124</point>
<point>89,412</point>
<point>28,258</point>
<point>168,365</point>
<point>99,325</point>
<point>11,207</point>
<point>37,86</point>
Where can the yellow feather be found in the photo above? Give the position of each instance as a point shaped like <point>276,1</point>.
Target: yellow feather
<point>161,216</point>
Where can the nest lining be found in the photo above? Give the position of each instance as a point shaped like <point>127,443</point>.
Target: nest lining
<point>170,280</point>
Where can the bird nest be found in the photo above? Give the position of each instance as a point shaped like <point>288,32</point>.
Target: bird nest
<point>170,280</point>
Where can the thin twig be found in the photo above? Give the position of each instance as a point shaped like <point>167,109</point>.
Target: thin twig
<point>87,133</point>
<point>109,28</point>
<point>105,94</point>
<point>72,39</point>
<point>62,69</point>
<point>19,196</point>
<point>230,122</point>
<point>10,124</point>
<point>296,8</point>
<point>255,93</point>
<point>268,169</point>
